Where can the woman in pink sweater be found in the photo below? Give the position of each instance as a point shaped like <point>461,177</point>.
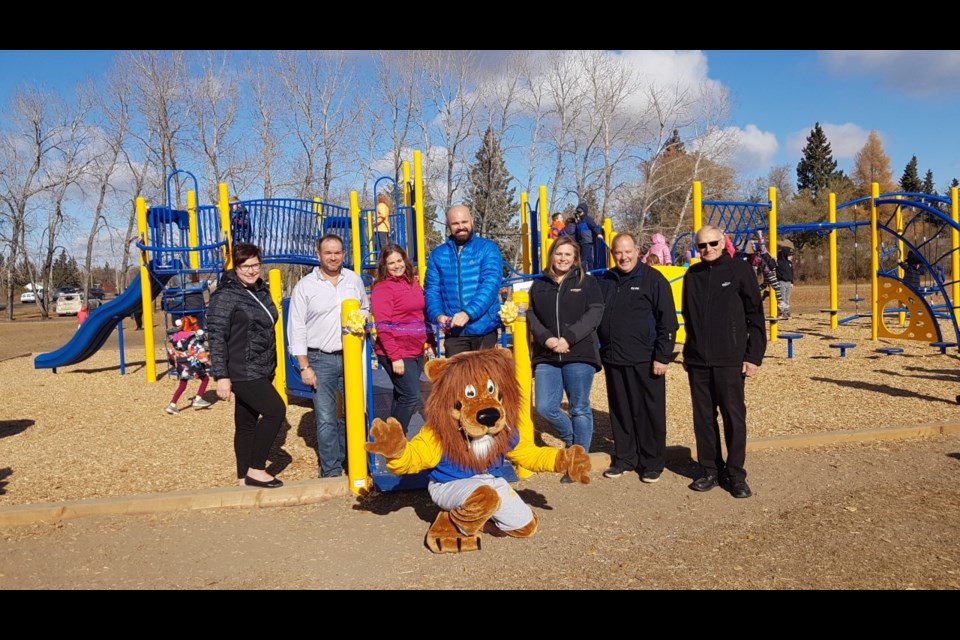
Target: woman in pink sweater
<point>399,313</point>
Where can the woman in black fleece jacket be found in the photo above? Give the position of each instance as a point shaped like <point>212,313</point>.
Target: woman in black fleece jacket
<point>243,352</point>
<point>565,309</point>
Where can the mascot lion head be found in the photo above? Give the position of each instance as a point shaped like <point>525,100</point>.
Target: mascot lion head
<point>474,406</point>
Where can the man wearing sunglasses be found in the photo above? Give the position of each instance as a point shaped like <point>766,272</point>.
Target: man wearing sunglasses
<point>726,340</point>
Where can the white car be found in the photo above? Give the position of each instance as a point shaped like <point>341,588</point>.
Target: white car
<point>69,304</point>
<point>28,296</point>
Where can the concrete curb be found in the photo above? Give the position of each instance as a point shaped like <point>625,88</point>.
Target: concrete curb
<point>310,491</point>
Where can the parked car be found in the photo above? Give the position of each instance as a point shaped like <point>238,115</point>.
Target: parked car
<point>69,304</point>
<point>99,294</point>
<point>27,297</point>
<point>62,291</point>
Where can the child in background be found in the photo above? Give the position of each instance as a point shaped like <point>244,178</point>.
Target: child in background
<point>659,249</point>
<point>557,226</point>
<point>187,353</point>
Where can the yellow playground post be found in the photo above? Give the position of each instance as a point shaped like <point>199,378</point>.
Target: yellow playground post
<point>772,225</point>
<point>874,262</point>
<point>146,295</point>
<point>276,292</point>
<point>834,309</point>
<point>955,246</point>
<point>524,371</point>
<point>353,402</point>
<point>418,215</point>
<point>525,232</point>
<point>544,212</point>
<point>223,207</point>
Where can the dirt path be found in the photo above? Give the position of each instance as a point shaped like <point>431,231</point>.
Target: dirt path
<point>878,516</point>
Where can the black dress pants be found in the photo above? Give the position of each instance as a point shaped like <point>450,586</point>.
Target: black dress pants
<point>714,389</point>
<point>638,416</point>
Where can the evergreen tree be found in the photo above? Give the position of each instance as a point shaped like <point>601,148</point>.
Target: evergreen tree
<point>910,181</point>
<point>928,187</point>
<point>817,166</point>
<point>491,199</point>
<point>65,271</point>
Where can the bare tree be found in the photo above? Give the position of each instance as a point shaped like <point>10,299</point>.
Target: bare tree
<point>397,106</point>
<point>565,93</point>
<point>24,149</point>
<point>263,85</point>
<point>449,75</point>
<point>113,105</point>
<point>70,157</point>
<point>215,105</point>
<point>318,84</point>
<point>533,102</point>
<point>161,94</point>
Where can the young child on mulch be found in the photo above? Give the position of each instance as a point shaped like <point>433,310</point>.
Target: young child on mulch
<point>189,359</point>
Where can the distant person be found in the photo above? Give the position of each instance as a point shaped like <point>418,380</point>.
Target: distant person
<point>658,249</point>
<point>587,233</point>
<point>399,310</point>
<point>383,221</point>
<point>82,315</point>
<point>557,226</point>
<point>653,261</point>
<point>240,221</point>
<point>183,296</point>
<point>912,270</point>
<point>566,306</point>
<point>463,286</point>
<point>726,340</point>
<point>189,360</point>
<point>241,325</point>
<point>785,276</point>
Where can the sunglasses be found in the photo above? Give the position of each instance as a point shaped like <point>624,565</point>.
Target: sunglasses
<point>704,245</point>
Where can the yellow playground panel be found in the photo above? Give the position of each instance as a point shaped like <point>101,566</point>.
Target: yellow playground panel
<point>674,275</point>
<point>919,324</point>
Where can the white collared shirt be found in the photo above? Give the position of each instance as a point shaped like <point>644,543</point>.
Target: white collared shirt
<point>315,320</point>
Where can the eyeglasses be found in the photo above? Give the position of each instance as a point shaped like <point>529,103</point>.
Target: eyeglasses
<point>249,268</point>
<point>704,245</point>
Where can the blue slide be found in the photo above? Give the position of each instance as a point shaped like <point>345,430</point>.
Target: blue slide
<point>99,325</point>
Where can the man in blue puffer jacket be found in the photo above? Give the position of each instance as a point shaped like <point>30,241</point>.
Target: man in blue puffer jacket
<point>462,287</point>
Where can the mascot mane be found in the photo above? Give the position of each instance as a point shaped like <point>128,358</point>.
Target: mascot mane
<point>447,403</point>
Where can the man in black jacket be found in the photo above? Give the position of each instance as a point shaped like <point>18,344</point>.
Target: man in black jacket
<point>723,318</point>
<point>637,335</point>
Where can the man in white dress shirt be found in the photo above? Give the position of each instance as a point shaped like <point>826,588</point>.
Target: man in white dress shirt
<point>315,335</point>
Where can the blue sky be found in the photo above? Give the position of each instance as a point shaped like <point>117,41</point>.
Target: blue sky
<point>912,98</point>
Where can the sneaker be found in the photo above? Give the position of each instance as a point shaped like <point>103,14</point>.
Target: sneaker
<point>649,477</point>
<point>199,403</point>
<point>172,409</point>
<point>614,472</point>
<point>566,480</point>
<point>741,489</point>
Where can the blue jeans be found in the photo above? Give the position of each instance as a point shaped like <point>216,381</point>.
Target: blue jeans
<point>406,388</point>
<point>575,378</point>
<point>331,429</point>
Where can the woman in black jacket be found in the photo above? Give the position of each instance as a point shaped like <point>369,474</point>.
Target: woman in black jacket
<point>565,309</point>
<point>243,354</point>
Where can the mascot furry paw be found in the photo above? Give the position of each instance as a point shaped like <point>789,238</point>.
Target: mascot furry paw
<point>471,427</point>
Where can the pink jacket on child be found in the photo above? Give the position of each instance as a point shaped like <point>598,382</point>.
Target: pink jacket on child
<point>660,249</point>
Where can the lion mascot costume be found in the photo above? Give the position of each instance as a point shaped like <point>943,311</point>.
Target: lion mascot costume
<point>471,427</point>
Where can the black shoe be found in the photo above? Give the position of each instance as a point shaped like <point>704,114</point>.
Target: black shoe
<point>268,484</point>
<point>649,477</point>
<point>614,472</point>
<point>741,489</point>
<point>705,482</point>
<point>567,480</point>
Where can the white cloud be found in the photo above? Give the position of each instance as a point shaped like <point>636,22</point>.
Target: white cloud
<point>682,72</point>
<point>845,140</point>
<point>917,72</point>
<point>755,149</point>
